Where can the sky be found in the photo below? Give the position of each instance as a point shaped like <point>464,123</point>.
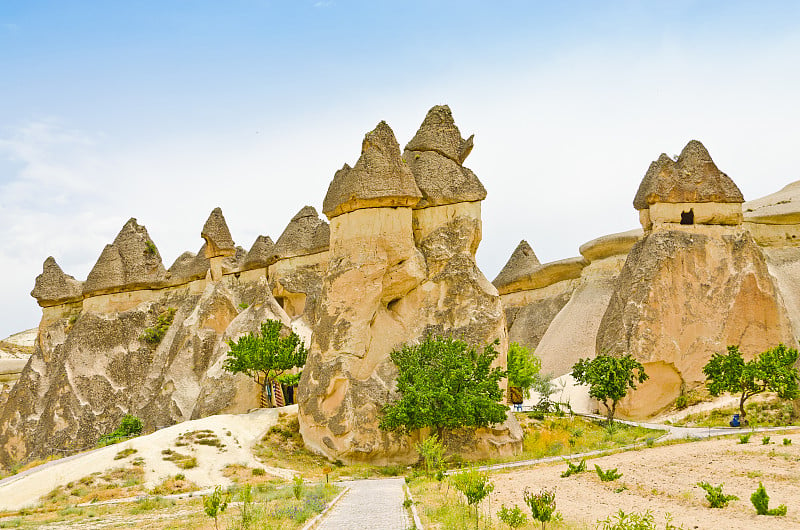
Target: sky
<point>163,110</point>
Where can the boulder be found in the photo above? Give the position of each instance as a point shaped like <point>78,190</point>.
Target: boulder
<point>380,178</point>
<point>53,287</point>
<point>217,236</point>
<point>131,262</point>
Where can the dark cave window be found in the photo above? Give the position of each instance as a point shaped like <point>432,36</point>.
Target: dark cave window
<point>687,218</point>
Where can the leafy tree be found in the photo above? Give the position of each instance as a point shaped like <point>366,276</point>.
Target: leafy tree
<point>609,378</point>
<point>129,427</point>
<point>431,450</point>
<point>513,517</point>
<point>445,384</point>
<point>771,370</point>
<point>267,356</point>
<point>523,367</point>
<point>215,504</point>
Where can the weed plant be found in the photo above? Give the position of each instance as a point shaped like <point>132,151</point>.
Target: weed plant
<point>714,495</point>
<point>574,469</point>
<point>760,501</point>
<point>607,476</point>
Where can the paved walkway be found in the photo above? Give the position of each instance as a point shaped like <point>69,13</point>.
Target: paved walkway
<point>370,504</point>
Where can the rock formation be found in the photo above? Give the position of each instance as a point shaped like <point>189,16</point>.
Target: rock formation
<point>92,363</point>
<point>693,285</point>
<point>300,262</point>
<point>401,267</point>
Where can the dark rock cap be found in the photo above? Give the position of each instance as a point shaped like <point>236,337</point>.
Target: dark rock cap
<point>53,286</point>
<point>439,133</point>
<point>305,234</point>
<point>261,254</point>
<point>131,261</point>
<point>693,177</point>
<point>523,262</point>
<point>442,181</point>
<point>218,238</point>
<point>189,266</point>
<point>380,178</point>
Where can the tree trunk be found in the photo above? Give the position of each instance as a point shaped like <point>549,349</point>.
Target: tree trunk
<point>611,411</point>
<point>742,413</point>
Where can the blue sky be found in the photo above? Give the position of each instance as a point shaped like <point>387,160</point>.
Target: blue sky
<point>164,110</point>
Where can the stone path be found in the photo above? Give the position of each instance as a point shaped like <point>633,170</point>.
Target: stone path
<point>370,504</point>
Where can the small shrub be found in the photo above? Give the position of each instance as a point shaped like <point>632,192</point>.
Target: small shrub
<point>744,438</point>
<point>650,442</point>
<point>297,486</point>
<point>607,476</point>
<point>760,501</point>
<point>243,306</point>
<point>513,517</point>
<point>129,427</point>
<point>475,486</point>
<point>765,440</point>
<point>573,469</point>
<point>681,402</point>
<point>259,472</point>
<point>787,441</point>
<point>542,504</point>
<point>715,497</point>
<point>163,322</point>
<point>431,451</point>
<point>628,521</point>
<point>125,453</point>
<point>215,504</point>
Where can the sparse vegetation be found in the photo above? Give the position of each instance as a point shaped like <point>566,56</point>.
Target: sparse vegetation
<point>607,476</point>
<point>765,440</point>
<point>744,438</point>
<point>179,459</point>
<point>714,495</point>
<point>760,501</point>
<point>125,453</point>
<point>574,469</point>
<point>475,486</point>
<point>129,427</point>
<point>513,517</point>
<point>787,441</point>
<point>154,334</point>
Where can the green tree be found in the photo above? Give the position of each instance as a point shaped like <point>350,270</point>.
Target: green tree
<point>542,504</point>
<point>772,370</point>
<point>523,367</point>
<point>215,504</point>
<point>475,487</point>
<point>266,356</point>
<point>445,384</point>
<point>609,378</point>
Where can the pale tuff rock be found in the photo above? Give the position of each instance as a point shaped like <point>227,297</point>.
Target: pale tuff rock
<point>692,178</point>
<point>522,262</point>
<point>779,208</point>
<point>132,261</point>
<point>438,133</point>
<point>610,245</point>
<point>380,178</point>
<point>261,254</point>
<point>544,275</point>
<point>54,287</point>
<point>395,274</point>
<point>683,295</point>
<point>435,157</point>
<point>217,236</point>
<point>305,234</point>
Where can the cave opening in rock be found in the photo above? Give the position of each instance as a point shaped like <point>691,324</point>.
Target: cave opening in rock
<point>687,218</point>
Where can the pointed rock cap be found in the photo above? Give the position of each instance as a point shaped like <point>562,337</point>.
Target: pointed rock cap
<point>305,234</point>
<point>132,261</point>
<point>380,178</point>
<point>54,287</point>
<point>234,262</point>
<point>261,254</point>
<point>439,133</point>
<point>522,262</point>
<point>693,177</point>
<point>189,266</point>
<point>442,181</point>
<point>218,238</point>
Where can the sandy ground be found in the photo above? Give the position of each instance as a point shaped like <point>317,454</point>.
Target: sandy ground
<point>663,480</point>
<point>237,432</point>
